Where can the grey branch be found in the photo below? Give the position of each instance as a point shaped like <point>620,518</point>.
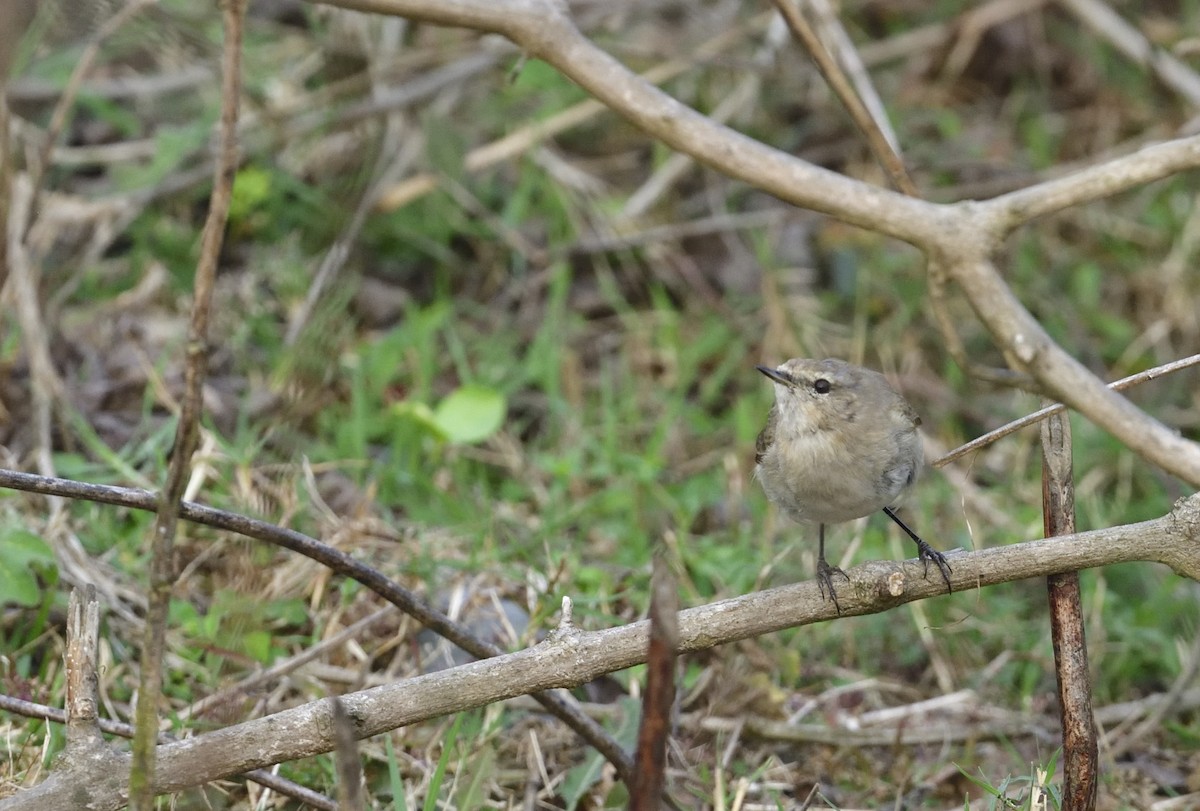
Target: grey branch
<point>961,236</point>
<point>572,657</point>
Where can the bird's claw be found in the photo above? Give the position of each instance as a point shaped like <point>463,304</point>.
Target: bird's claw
<point>825,573</point>
<point>927,553</point>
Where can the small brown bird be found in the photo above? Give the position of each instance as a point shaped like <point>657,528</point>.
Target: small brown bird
<point>839,444</point>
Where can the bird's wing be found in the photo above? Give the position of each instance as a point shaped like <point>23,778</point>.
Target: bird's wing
<point>766,436</point>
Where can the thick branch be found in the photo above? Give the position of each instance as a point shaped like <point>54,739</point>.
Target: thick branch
<point>1065,378</point>
<point>570,658</point>
<point>1009,211</point>
<point>560,705</point>
<point>962,234</point>
<point>544,29</point>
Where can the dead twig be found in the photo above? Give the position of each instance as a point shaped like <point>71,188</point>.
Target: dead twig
<point>886,151</point>
<point>561,706</point>
<point>162,566</point>
<point>1037,416</point>
<point>1080,764</point>
<point>659,699</point>
<point>264,778</point>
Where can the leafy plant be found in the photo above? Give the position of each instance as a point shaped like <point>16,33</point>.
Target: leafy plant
<point>28,572</point>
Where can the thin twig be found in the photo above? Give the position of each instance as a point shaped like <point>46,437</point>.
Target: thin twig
<point>851,61</point>
<point>58,118</point>
<point>1037,416</point>
<point>558,704</point>
<point>884,151</point>
<point>162,568</point>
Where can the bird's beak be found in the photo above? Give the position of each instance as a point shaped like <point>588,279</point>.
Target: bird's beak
<point>775,375</point>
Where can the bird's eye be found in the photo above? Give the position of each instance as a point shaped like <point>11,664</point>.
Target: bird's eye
<point>821,386</point>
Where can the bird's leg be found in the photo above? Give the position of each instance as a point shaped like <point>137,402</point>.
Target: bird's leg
<point>825,572</point>
<point>925,552</point>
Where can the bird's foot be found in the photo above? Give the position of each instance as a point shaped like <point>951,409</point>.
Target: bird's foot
<point>825,574</point>
<point>927,553</point>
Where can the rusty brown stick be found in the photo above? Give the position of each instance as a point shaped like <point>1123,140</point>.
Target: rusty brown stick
<point>1079,761</point>
<point>646,793</point>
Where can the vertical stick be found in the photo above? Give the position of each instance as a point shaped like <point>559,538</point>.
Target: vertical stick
<point>1066,624</point>
<point>187,431</point>
<point>646,791</point>
<point>83,680</point>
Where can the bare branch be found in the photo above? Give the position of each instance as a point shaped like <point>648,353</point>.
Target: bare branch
<point>1080,761</point>
<point>960,236</point>
<point>1008,211</point>
<point>571,657</point>
<point>1041,414</point>
<point>883,144</point>
<point>108,726</point>
<point>1031,348</point>
<point>562,706</point>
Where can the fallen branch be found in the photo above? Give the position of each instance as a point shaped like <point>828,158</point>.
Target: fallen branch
<point>570,657</point>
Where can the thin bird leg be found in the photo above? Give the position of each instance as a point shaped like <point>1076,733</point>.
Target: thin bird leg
<point>924,550</point>
<point>825,572</point>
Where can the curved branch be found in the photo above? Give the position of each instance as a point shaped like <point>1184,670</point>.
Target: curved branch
<point>960,235</point>
<point>1008,211</point>
<point>544,29</point>
<point>1065,378</point>
<point>570,657</point>
<point>563,707</point>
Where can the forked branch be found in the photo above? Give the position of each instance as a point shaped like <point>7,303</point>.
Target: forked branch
<point>962,236</point>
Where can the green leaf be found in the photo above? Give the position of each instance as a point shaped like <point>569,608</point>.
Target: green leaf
<point>439,771</point>
<point>257,644</point>
<point>470,414</point>
<point>23,556</point>
<point>420,414</point>
<point>582,778</point>
<point>251,190</point>
<point>395,781</point>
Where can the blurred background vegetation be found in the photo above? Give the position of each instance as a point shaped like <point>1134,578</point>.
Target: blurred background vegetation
<point>515,381</point>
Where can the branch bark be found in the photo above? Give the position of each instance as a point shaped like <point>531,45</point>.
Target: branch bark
<point>1080,762</point>
<point>571,657</point>
<point>560,705</point>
